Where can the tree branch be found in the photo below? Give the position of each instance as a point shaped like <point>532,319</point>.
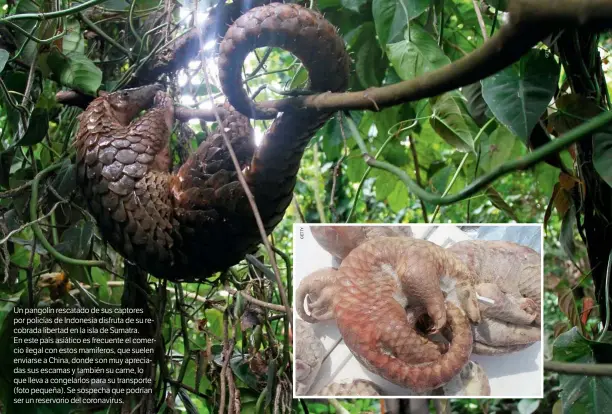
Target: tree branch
<point>530,22</point>
<point>570,368</point>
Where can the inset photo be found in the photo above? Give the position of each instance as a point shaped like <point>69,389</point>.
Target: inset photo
<point>418,310</point>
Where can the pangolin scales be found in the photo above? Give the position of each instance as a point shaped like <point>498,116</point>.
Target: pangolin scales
<point>188,225</point>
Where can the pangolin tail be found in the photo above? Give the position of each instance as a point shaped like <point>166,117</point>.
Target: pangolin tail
<point>314,41</point>
<point>376,354</point>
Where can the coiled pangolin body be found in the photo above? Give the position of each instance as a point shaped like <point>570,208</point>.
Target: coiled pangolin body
<point>368,296</point>
<point>198,221</point>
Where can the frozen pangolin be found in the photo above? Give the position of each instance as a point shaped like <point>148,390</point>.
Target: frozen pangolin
<point>355,388</point>
<point>510,274</point>
<point>340,240</point>
<point>368,295</point>
<point>188,225</point>
<point>309,353</point>
<point>471,381</point>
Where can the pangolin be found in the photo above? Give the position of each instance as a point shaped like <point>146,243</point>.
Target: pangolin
<point>188,225</point>
<point>309,353</point>
<point>367,297</point>
<point>510,274</point>
<point>340,240</point>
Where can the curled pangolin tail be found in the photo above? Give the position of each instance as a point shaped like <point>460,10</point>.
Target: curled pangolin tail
<point>419,377</point>
<point>313,40</point>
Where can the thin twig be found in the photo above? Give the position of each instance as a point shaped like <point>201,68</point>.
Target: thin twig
<point>417,173</point>
<point>481,23</point>
<point>250,198</point>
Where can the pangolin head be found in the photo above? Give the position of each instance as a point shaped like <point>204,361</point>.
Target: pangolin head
<point>128,103</point>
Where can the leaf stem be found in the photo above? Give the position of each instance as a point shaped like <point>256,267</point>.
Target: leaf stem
<point>52,15</point>
<point>38,232</point>
<point>483,181</point>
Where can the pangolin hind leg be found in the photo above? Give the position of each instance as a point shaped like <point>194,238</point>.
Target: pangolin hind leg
<point>506,308</point>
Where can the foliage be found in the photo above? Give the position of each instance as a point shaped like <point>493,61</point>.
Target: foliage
<point>444,143</point>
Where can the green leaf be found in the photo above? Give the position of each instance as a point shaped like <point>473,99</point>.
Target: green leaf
<point>498,201</point>
<point>581,393</point>
<point>391,16</point>
<point>497,148</point>
<point>602,154</point>
<point>65,180</point>
<point>476,105</point>
<point>384,184</point>
<point>370,60</point>
<point>450,119</point>
<point>399,198</point>
<point>37,128</point>
<point>75,71</point>
<point>546,177</point>
<point>76,241</point>
<point>4,57</point>
<point>354,5</point>
<point>419,55</point>
<point>101,278</point>
<point>528,406</point>
<point>355,166</point>
<point>520,93</point>
<point>28,53</point>
<point>73,41</point>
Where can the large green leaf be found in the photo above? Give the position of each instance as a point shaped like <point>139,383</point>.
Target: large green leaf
<point>73,41</point>
<point>399,198</point>
<point>354,5</point>
<point>65,180</point>
<point>391,16</point>
<point>419,55</point>
<point>370,60</point>
<point>581,393</point>
<point>384,184</point>
<point>602,154</point>
<point>4,57</point>
<point>519,94</point>
<point>476,105</point>
<point>451,120</point>
<point>76,241</point>
<point>37,128</point>
<point>76,71</point>
<point>497,148</point>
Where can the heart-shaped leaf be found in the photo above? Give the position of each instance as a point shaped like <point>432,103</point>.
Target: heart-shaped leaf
<point>416,54</point>
<point>451,120</point>
<point>519,94</point>
<point>370,59</point>
<point>391,16</point>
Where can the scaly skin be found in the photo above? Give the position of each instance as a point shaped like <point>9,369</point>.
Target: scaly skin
<point>511,275</point>
<point>309,353</point>
<point>188,225</point>
<point>355,388</point>
<point>471,381</point>
<point>368,294</point>
<point>340,240</point>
